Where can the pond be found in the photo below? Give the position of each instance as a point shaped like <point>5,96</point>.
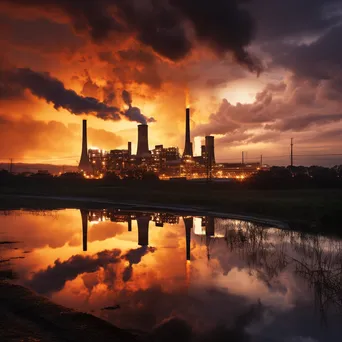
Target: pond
<point>138,269</point>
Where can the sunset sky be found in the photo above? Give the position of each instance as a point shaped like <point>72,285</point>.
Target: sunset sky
<point>258,73</point>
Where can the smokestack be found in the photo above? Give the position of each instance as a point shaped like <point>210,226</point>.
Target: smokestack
<point>84,164</point>
<point>188,222</point>
<point>129,148</point>
<point>143,223</point>
<point>84,215</point>
<point>188,145</point>
<point>143,150</point>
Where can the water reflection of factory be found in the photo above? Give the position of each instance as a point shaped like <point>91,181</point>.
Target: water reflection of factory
<point>208,227</point>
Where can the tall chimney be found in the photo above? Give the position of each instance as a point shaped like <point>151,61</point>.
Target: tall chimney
<point>143,150</point>
<point>188,145</point>
<point>129,148</point>
<point>84,164</point>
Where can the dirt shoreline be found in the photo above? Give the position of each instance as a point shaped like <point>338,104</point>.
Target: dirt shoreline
<point>26,316</point>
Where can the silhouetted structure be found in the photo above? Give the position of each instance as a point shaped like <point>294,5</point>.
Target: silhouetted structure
<point>188,145</point>
<point>188,223</point>
<point>84,164</point>
<point>84,215</point>
<point>143,150</point>
<point>129,224</point>
<point>129,149</point>
<point>143,223</point>
<point>210,226</point>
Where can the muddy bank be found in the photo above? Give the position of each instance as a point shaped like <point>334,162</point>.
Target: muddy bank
<point>25,316</point>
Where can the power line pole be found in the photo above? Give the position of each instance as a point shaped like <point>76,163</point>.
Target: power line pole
<point>11,166</point>
<point>243,157</point>
<point>291,152</point>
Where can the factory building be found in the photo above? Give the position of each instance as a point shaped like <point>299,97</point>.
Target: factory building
<point>166,162</point>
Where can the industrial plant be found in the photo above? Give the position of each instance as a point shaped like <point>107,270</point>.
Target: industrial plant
<point>165,162</point>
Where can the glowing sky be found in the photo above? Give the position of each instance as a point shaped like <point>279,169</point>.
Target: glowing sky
<point>62,62</point>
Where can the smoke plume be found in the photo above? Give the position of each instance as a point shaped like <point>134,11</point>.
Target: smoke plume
<point>52,90</point>
<point>46,87</point>
<point>133,113</point>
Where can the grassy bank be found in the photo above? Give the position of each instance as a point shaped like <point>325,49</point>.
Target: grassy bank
<point>309,209</point>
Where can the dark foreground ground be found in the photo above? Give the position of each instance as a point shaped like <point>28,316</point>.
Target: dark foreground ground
<point>25,316</point>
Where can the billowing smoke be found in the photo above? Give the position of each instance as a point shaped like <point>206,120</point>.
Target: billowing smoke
<point>133,113</point>
<point>52,90</point>
<point>46,87</point>
<point>223,25</point>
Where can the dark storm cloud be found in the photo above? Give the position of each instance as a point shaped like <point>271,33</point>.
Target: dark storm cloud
<point>40,34</point>
<point>54,277</point>
<point>223,24</point>
<point>319,60</point>
<point>300,123</point>
<point>278,19</point>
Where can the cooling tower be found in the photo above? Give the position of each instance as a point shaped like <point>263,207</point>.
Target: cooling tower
<point>210,150</point>
<point>188,144</point>
<point>129,148</point>
<point>84,164</point>
<point>143,223</point>
<point>143,150</point>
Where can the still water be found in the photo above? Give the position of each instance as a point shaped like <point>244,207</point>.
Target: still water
<point>265,283</point>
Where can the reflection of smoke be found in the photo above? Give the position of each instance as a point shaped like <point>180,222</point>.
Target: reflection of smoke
<point>54,277</point>
<point>134,256</point>
<point>176,329</point>
<point>134,113</point>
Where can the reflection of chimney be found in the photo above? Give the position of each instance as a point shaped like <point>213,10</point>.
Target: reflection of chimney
<point>143,223</point>
<point>210,226</point>
<point>84,164</point>
<point>188,222</point>
<point>129,148</point>
<point>188,145</point>
<point>129,224</point>
<point>84,214</point>
<point>143,150</point>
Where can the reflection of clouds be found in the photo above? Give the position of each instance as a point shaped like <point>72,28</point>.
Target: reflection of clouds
<point>54,229</point>
<point>247,263</point>
<point>105,230</point>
